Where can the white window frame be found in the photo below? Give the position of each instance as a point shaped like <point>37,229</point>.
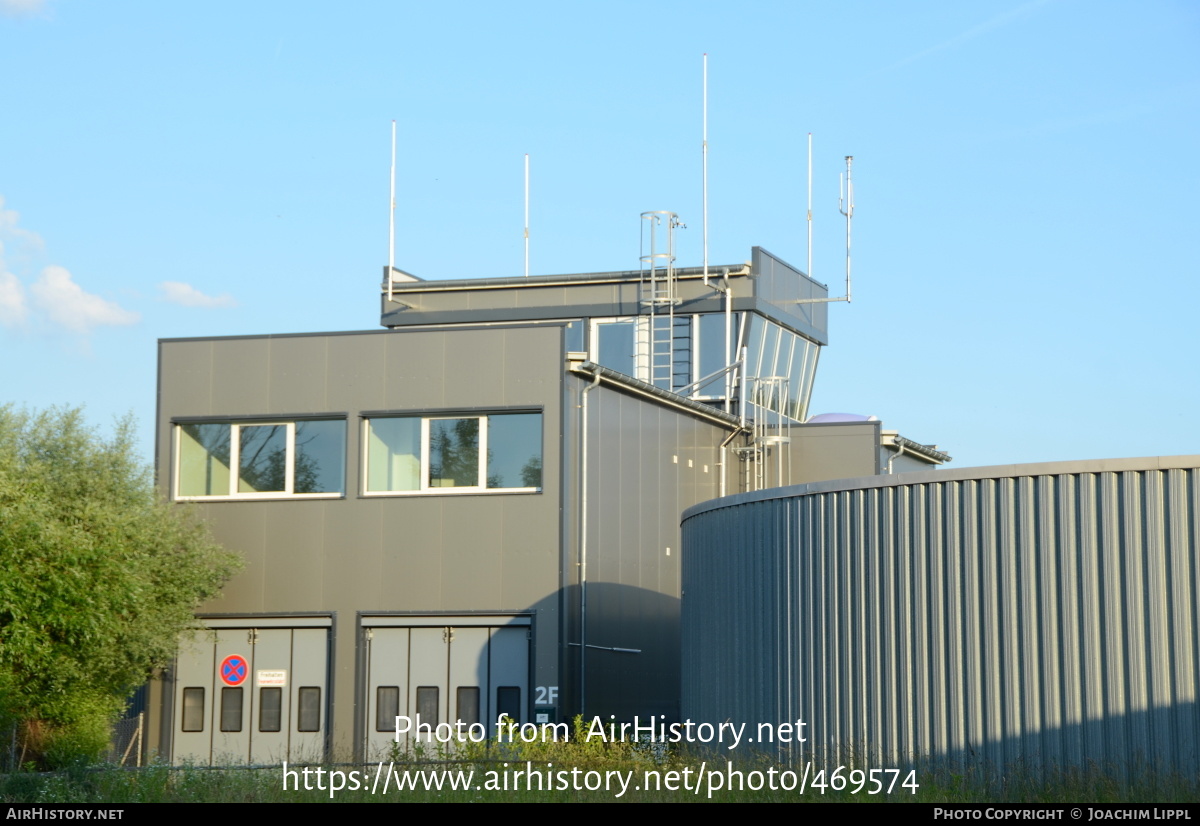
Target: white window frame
<point>235,462</point>
<point>430,490</point>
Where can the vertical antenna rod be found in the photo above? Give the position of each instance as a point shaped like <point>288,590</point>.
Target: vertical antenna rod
<point>846,207</point>
<point>704,164</point>
<point>526,214</point>
<point>809,271</point>
<point>392,216</point>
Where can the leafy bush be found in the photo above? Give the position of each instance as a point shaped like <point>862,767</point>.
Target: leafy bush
<point>98,578</point>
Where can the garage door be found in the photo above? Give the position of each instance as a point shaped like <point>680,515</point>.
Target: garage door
<point>252,691</point>
<point>459,669</point>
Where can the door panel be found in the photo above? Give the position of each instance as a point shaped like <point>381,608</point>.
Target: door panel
<point>270,674</point>
<point>468,670</point>
<point>509,665</point>
<point>427,676</point>
<point>231,704</point>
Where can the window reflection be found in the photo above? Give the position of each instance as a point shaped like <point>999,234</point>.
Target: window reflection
<point>500,451</point>
<point>515,450</point>
<point>262,459</point>
<point>279,458</point>
<point>453,453</point>
<point>394,455</point>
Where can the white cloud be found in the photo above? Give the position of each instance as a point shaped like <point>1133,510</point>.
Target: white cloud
<point>54,296</point>
<point>9,229</point>
<point>12,300</point>
<point>64,302</point>
<point>21,8</point>
<point>179,292</point>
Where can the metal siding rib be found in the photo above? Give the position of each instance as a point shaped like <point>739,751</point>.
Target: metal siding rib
<point>1045,550</point>
<point>1183,535</point>
<point>1113,667</point>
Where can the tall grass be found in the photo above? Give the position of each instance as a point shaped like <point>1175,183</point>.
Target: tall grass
<point>107,785</point>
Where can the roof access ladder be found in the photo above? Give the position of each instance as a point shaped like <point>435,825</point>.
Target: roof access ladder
<point>659,294</point>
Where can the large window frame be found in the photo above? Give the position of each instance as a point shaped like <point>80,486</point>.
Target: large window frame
<point>773,351</point>
<point>228,459</point>
<point>432,478</point>
<point>639,364</point>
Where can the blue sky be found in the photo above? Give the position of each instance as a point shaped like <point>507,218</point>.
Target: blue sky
<point>1026,177</point>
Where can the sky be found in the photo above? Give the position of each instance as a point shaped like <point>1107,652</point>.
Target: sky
<point>1026,178</point>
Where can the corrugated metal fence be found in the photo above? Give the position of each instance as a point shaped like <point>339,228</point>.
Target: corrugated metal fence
<point>1045,614</point>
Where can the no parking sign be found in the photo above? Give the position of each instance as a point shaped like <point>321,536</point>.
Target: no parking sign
<point>234,669</point>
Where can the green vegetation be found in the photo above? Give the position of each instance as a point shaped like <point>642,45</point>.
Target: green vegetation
<point>491,763</point>
<point>98,576</point>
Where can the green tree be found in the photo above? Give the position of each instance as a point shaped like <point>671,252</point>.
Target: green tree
<point>98,577</point>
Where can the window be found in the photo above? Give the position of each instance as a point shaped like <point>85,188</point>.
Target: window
<point>454,454</point>
<point>309,718</point>
<point>508,702</point>
<point>261,459</point>
<point>387,707</point>
<point>270,708</point>
<point>231,709</point>
<point>468,704</point>
<point>193,709</point>
<point>428,704</point>
<point>657,350</point>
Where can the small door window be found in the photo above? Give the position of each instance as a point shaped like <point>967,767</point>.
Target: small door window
<point>387,707</point>
<point>193,709</point>
<point>309,716</point>
<point>231,709</point>
<point>270,708</point>
<point>468,704</point>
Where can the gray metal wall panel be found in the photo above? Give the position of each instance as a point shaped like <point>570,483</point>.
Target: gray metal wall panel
<point>415,374</point>
<point>638,476</point>
<point>780,284</point>
<point>1048,617</point>
<point>406,553</point>
<point>833,451</point>
<point>248,540</point>
<point>358,373</point>
<point>292,574</point>
<point>524,548</point>
<point>188,377</point>
<point>472,562</point>
<point>247,388</point>
<point>299,375</point>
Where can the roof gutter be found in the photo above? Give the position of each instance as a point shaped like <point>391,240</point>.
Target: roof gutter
<point>927,452</point>
<point>637,387</point>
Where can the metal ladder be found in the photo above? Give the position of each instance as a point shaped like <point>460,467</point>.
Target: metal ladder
<point>659,295</point>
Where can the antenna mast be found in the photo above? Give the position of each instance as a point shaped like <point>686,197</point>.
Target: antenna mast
<point>846,207</point>
<point>526,214</point>
<point>704,164</point>
<point>808,271</point>
<point>392,217</point>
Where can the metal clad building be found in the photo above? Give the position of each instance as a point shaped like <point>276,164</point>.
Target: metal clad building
<point>1044,614</point>
<point>475,511</point>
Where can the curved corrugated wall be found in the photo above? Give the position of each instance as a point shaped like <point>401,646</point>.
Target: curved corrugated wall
<point>1040,613</point>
